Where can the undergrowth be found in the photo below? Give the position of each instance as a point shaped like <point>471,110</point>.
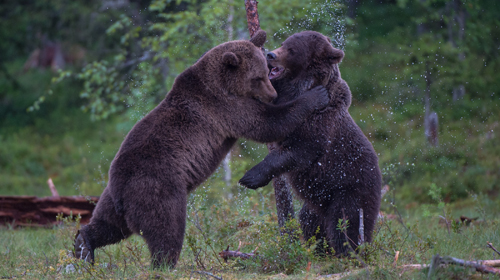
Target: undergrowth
<point>415,237</point>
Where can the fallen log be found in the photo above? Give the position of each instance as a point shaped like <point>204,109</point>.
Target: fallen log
<point>36,211</point>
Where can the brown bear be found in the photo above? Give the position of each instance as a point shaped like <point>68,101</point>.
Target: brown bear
<point>181,142</point>
<point>327,161</point>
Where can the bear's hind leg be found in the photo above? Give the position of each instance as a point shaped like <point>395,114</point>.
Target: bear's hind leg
<point>312,225</point>
<point>105,227</point>
<point>161,221</point>
<point>337,237</point>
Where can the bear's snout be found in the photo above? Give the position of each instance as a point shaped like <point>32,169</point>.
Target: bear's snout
<point>271,56</point>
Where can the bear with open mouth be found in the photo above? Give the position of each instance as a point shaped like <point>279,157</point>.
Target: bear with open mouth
<point>328,161</point>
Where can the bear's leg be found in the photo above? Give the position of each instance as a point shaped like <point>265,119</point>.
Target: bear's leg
<point>337,237</point>
<point>310,221</point>
<point>161,220</point>
<point>105,227</point>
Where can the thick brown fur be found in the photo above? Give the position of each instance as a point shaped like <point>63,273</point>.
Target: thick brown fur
<point>327,161</point>
<point>181,142</point>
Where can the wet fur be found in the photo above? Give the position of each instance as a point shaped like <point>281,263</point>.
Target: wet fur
<point>327,161</point>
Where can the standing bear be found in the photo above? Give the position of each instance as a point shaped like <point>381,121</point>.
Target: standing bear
<point>327,161</point>
<point>181,142</point>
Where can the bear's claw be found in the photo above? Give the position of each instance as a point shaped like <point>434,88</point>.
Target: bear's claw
<point>83,250</point>
<point>320,97</point>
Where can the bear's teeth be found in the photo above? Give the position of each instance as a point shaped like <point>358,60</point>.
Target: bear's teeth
<point>275,71</point>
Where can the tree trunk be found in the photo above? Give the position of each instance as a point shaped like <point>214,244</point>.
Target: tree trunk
<point>284,201</point>
<point>252,16</point>
<point>457,18</point>
<point>230,17</point>
<point>431,118</point>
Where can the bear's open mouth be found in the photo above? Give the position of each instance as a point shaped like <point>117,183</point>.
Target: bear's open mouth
<point>275,72</point>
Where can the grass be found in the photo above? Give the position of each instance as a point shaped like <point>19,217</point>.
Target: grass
<point>41,253</point>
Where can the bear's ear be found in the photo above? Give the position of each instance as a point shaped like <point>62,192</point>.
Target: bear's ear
<point>332,54</point>
<point>259,38</point>
<point>230,58</point>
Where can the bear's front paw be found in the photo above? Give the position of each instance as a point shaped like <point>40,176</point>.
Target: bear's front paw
<point>254,179</point>
<point>318,97</point>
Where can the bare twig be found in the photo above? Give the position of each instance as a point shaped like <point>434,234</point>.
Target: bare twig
<point>492,248</point>
<point>350,246</point>
<point>198,226</point>
<point>52,188</point>
<point>385,189</point>
<point>208,273</point>
<point>396,258</point>
<point>147,55</point>
<point>446,221</point>
<point>361,239</point>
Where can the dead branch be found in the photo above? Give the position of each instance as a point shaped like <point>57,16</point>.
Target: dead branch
<point>492,263</point>
<point>252,16</point>
<point>492,248</point>
<point>52,188</point>
<point>442,263</point>
<point>478,266</point>
<point>208,273</point>
<point>361,228</point>
<point>226,254</point>
<point>484,266</point>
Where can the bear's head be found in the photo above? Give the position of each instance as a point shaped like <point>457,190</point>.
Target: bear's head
<point>303,56</point>
<point>240,68</point>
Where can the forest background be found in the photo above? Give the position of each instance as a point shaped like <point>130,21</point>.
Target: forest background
<point>75,76</point>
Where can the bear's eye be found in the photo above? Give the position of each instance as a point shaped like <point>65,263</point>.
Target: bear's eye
<point>291,51</point>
